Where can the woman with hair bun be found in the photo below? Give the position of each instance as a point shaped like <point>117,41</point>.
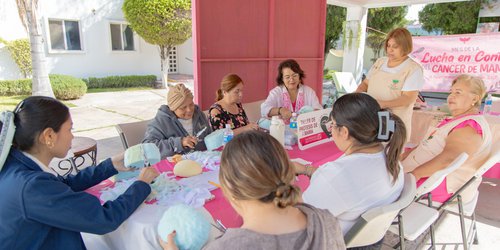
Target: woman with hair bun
<point>368,174</point>
<point>228,108</point>
<point>256,176</point>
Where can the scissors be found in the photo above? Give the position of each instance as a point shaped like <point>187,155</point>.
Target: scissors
<point>198,136</point>
<point>200,133</point>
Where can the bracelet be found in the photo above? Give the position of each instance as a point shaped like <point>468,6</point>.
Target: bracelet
<point>279,111</point>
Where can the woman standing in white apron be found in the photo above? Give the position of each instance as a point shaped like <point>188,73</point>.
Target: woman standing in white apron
<point>394,81</point>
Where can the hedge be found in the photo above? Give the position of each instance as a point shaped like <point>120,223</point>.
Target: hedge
<point>15,87</point>
<point>120,81</point>
<point>65,87</point>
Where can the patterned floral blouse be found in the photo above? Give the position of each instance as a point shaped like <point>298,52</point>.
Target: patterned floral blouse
<point>219,121</point>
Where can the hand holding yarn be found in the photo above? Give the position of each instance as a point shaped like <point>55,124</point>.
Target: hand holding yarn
<point>148,174</point>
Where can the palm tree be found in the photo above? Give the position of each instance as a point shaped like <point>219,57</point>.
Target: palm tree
<point>27,10</point>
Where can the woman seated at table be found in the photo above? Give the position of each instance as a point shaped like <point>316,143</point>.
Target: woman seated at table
<point>394,81</point>
<point>466,131</point>
<point>40,209</point>
<point>291,94</point>
<point>228,108</point>
<point>367,175</point>
<point>176,126</point>
<point>256,176</point>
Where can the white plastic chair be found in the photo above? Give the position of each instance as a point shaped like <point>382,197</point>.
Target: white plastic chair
<point>374,223</point>
<point>455,204</point>
<point>344,83</point>
<point>132,133</point>
<point>252,110</point>
<point>417,217</point>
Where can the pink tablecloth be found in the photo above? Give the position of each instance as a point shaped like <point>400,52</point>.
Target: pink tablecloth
<point>220,208</point>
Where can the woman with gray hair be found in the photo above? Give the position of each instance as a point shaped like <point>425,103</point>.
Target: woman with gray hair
<point>179,126</point>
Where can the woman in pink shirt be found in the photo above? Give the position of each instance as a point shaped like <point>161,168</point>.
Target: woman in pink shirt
<point>466,131</point>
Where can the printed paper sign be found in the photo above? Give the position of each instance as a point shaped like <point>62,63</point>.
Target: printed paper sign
<point>445,57</point>
<point>313,128</point>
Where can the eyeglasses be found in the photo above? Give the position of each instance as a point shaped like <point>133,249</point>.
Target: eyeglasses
<point>288,77</point>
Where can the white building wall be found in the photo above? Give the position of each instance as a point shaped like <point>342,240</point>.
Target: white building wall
<point>10,29</point>
<point>96,58</point>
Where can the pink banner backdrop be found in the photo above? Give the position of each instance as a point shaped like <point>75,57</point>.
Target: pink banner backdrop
<point>445,57</point>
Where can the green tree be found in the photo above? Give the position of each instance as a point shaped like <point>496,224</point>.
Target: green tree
<point>21,54</point>
<point>335,16</point>
<point>380,21</point>
<point>450,18</point>
<point>165,23</point>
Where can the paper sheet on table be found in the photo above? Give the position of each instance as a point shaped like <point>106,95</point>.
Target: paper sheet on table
<point>301,161</point>
<point>202,180</point>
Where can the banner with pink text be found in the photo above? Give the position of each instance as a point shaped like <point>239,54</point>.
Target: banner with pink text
<point>445,57</point>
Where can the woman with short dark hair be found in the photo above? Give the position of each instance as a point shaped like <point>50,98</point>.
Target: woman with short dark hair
<point>291,94</point>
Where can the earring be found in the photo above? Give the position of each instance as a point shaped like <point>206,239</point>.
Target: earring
<point>50,144</point>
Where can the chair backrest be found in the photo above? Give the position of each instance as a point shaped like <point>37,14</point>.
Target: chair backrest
<point>132,133</point>
<point>493,159</point>
<point>252,109</point>
<point>435,179</point>
<point>374,223</point>
<point>344,82</point>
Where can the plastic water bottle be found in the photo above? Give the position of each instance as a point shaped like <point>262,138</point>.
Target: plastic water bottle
<point>228,133</point>
<point>277,129</point>
<point>487,104</point>
<point>293,121</point>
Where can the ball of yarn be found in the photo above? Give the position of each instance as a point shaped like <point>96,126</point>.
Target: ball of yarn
<point>214,140</point>
<point>187,168</point>
<point>191,226</point>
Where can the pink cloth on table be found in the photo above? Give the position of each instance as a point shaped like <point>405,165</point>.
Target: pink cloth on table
<point>440,193</point>
<point>220,208</point>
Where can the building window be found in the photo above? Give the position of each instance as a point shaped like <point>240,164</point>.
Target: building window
<point>122,37</point>
<point>172,60</point>
<point>64,35</point>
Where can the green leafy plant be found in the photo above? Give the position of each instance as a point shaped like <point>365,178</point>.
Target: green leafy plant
<point>67,87</point>
<point>165,23</point>
<point>328,74</point>
<point>451,18</point>
<point>120,81</point>
<point>20,52</point>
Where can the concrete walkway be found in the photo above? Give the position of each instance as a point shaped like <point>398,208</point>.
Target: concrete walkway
<point>96,114</point>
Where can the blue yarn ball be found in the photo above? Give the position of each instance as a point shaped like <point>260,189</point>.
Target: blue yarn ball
<point>191,226</point>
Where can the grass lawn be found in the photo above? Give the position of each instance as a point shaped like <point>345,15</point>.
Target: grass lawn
<point>10,102</point>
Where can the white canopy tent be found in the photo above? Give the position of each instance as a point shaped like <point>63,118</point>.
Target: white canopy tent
<point>356,18</point>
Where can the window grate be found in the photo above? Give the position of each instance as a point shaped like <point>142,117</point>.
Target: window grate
<point>172,60</point>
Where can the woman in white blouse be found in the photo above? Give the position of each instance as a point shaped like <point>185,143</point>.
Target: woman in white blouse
<point>368,174</point>
<point>291,94</point>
